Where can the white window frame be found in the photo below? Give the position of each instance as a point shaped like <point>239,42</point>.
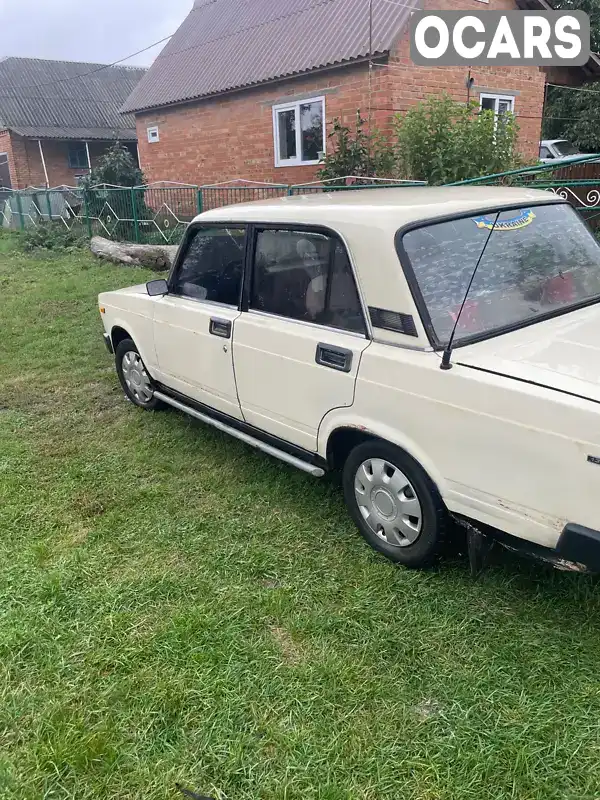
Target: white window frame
<point>296,162</point>
<point>496,98</point>
<point>153,134</point>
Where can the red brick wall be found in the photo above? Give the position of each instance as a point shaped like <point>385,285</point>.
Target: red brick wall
<point>6,147</point>
<point>232,136</point>
<point>25,162</point>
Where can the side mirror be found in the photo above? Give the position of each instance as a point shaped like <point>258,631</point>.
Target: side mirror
<point>157,288</point>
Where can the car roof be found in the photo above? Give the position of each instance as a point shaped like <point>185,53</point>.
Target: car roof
<point>401,206</point>
<point>553,141</point>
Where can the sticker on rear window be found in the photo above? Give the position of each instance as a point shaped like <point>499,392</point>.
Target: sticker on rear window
<point>524,217</point>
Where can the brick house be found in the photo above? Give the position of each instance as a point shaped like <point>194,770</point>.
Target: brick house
<point>57,118</point>
<point>250,90</point>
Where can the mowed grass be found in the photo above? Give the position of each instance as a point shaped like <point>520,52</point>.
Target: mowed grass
<point>175,607</point>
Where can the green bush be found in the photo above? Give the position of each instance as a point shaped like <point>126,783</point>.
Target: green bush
<point>441,141</point>
<point>51,236</point>
<point>356,152</point>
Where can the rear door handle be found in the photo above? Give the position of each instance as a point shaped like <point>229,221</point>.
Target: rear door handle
<point>220,327</point>
<point>334,357</point>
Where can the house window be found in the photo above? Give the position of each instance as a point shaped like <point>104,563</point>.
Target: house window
<point>498,103</point>
<point>153,135</point>
<point>77,154</point>
<point>299,132</point>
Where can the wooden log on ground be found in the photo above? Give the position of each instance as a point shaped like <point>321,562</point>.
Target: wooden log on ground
<point>153,256</point>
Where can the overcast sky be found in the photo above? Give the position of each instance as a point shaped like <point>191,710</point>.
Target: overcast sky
<point>99,31</point>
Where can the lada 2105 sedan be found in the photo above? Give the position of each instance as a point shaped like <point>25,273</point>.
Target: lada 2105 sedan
<point>439,346</point>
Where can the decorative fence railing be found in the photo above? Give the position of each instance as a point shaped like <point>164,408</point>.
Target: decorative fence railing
<point>577,181</point>
<point>153,214</point>
<point>158,213</point>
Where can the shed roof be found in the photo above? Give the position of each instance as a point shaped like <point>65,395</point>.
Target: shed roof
<point>229,44</point>
<point>66,99</point>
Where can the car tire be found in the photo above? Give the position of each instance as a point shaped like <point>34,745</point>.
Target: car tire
<point>135,380</point>
<point>395,505</point>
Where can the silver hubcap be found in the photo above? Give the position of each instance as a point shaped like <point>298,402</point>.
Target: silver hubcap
<point>388,502</point>
<point>136,378</point>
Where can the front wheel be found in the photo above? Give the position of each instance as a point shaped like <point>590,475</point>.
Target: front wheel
<point>394,503</point>
<point>135,380</point>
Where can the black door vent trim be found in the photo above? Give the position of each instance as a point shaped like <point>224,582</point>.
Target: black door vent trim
<point>393,321</point>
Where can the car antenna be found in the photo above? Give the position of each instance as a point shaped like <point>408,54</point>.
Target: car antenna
<point>446,363</point>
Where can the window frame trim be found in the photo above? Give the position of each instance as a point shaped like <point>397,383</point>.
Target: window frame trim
<point>181,253</point>
<point>496,97</point>
<point>70,164</point>
<point>417,295</point>
<point>251,240</point>
<point>295,106</point>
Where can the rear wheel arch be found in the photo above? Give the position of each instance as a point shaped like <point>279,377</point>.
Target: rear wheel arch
<point>343,439</point>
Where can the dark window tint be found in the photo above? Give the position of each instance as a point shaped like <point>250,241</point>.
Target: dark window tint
<point>287,134</point>
<point>305,276</point>
<point>545,153</point>
<point>565,148</point>
<point>537,260</point>
<point>212,266</point>
<point>78,155</point>
<point>311,123</point>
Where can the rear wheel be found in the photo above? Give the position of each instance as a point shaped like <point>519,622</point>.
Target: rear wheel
<point>394,503</point>
<point>135,380</point>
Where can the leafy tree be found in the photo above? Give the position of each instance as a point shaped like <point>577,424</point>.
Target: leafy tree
<point>441,140</point>
<point>117,167</point>
<point>570,114</point>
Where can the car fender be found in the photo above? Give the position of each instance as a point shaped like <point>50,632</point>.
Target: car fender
<point>344,418</point>
<point>140,331</point>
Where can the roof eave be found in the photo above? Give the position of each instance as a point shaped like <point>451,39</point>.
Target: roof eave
<point>292,76</point>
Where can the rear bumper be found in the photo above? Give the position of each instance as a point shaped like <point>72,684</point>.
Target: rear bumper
<point>108,343</point>
<point>581,545</point>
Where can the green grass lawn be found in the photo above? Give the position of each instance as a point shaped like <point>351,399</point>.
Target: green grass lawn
<point>176,607</point>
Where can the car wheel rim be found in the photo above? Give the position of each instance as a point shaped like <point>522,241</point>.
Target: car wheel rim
<point>136,378</point>
<point>388,502</point>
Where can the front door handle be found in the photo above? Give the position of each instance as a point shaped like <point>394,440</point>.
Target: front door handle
<point>220,327</point>
<point>334,357</point>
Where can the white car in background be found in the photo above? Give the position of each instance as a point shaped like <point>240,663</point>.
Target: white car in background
<point>560,150</point>
<point>439,346</point>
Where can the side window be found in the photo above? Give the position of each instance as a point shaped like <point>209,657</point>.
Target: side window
<point>545,153</point>
<point>212,266</point>
<point>305,276</point>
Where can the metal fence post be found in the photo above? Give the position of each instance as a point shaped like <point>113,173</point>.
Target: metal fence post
<point>199,202</point>
<point>87,212</point>
<point>20,209</point>
<point>136,224</point>
<point>49,204</point>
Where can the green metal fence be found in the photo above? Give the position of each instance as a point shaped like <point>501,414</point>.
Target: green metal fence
<point>158,213</point>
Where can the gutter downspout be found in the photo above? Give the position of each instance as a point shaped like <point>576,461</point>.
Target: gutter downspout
<point>87,152</point>
<point>44,163</point>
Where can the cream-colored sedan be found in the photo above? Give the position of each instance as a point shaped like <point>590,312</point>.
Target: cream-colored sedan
<point>440,347</point>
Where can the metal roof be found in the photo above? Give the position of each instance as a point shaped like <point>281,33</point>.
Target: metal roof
<point>229,44</point>
<point>60,100</point>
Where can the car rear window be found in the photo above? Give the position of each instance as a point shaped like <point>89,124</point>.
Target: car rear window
<point>535,261</point>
